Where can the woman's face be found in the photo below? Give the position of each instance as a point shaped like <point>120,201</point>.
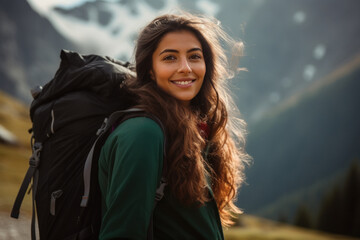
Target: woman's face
<point>178,65</point>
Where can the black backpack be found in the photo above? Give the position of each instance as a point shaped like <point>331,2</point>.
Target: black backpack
<point>72,116</point>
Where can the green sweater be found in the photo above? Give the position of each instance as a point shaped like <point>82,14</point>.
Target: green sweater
<point>130,168</point>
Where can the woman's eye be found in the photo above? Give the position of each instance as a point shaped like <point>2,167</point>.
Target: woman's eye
<point>195,56</point>
<point>169,58</point>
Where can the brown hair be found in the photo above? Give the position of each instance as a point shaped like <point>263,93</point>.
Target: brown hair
<point>189,172</point>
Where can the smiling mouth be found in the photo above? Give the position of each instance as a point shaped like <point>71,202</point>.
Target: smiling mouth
<point>183,83</point>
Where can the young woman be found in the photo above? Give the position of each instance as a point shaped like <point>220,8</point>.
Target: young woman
<point>181,71</point>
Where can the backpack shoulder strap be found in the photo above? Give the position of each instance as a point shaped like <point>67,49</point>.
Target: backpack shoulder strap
<point>102,133</point>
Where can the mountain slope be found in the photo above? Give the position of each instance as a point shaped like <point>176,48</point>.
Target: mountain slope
<point>289,45</point>
<point>30,48</point>
<point>14,116</point>
<point>311,139</point>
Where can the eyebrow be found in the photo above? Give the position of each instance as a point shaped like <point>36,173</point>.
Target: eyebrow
<point>176,51</point>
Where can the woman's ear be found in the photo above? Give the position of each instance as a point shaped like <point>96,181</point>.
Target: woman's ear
<point>152,75</point>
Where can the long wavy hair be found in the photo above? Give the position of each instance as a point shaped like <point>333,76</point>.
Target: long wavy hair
<point>195,162</point>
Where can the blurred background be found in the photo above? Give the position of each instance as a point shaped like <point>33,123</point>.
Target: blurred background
<point>300,97</point>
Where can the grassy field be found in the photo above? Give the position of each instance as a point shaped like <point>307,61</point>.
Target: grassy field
<point>13,159</point>
<point>254,228</point>
<point>13,166</point>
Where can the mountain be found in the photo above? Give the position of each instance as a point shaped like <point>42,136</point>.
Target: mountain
<point>30,48</point>
<point>14,117</point>
<point>288,46</point>
<point>305,145</point>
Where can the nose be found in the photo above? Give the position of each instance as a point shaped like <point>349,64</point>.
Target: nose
<point>184,66</point>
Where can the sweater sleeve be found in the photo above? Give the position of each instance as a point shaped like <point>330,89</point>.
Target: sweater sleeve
<point>130,168</point>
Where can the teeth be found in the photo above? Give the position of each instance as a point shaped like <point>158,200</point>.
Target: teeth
<point>183,82</point>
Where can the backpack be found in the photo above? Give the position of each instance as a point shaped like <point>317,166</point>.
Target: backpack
<point>72,116</point>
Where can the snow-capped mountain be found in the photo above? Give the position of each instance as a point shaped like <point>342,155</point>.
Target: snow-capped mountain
<point>111,27</point>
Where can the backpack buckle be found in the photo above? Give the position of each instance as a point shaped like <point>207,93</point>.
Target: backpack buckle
<point>35,157</point>
<point>103,127</point>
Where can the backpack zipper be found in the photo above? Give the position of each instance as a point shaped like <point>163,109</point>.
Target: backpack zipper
<point>54,195</point>
<point>52,121</point>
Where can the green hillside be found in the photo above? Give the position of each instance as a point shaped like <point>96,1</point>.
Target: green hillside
<point>305,144</point>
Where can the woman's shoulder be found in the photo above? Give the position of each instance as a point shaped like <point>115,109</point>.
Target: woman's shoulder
<point>139,127</point>
<point>138,134</point>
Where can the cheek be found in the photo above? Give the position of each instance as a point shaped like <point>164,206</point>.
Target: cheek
<point>161,72</point>
<point>204,71</point>
<point>201,71</point>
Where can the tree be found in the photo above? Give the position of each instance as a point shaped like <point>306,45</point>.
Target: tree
<point>340,209</point>
<point>303,217</point>
<point>351,202</point>
<point>329,217</point>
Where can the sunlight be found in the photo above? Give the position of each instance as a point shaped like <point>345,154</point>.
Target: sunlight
<point>299,17</point>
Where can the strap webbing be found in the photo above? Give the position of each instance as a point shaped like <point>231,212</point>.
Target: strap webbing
<point>34,163</point>
<point>32,173</point>
<point>107,124</point>
<point>34,190</point>
<point>21,194</point>
<point>158,196</point>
